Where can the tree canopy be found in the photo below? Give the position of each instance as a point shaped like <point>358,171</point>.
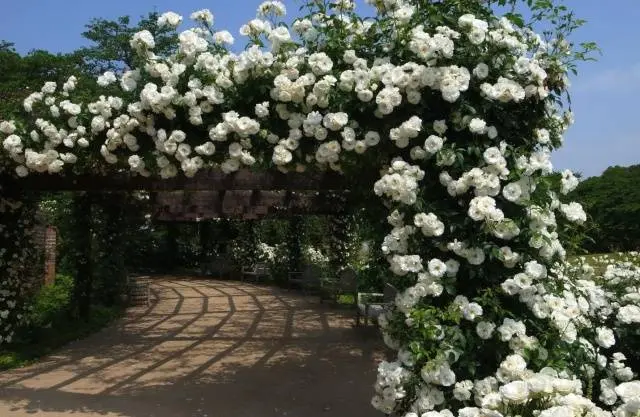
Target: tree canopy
<point>21,75</point>
<point>613,201</point>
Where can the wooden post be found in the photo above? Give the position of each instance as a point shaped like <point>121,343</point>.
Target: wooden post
<point>171,239</point>
<point>81,213</point>
<point>294,243</point>
<point>340,228</point>
<point>112,250</point>
<point>206,237</point>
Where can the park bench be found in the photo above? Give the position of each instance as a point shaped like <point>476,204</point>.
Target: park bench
<point>345,284</point>
<point>309,279</point>
<point>255,272</point>
<point>372,305</point>
<point>219,267</point>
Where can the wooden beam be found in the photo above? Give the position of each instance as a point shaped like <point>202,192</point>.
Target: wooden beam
<point>189,217</point>
<point>204,180</point>
<point>172,206</point>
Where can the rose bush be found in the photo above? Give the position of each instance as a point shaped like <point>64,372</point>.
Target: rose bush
<point>448,112</point>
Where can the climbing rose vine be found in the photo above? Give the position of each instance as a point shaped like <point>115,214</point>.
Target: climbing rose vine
<point>455,110</point>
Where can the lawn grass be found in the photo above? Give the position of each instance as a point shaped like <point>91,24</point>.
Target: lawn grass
<point>346,299</point>
<point>51,326</point>
<point>599,261</point>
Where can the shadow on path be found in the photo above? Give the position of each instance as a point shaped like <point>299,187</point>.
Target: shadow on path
<point>207,348</point>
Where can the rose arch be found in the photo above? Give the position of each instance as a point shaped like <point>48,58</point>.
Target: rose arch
<point>444,110</point>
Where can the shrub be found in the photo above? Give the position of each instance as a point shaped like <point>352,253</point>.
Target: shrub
<point>52,302</point>
<point>50,324</point>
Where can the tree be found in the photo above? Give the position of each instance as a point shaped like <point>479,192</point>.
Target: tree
<point>613,200</point>
<point>21,75</point>
<point>111,50</point>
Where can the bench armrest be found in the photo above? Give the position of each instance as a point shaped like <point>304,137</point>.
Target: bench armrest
<point>370,298</point>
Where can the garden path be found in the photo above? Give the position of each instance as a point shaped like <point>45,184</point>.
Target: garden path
<point>207,348</point>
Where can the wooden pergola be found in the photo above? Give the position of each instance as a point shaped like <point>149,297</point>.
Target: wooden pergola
<point>213,194</point>
<point>184,206</point>
<point>243,179</point>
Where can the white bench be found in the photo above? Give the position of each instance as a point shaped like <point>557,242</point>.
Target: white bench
<point>372,305</point>
<point>255,272</point>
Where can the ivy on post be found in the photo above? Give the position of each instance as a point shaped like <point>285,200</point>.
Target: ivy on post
<point>82,253</point>
<point>171,245</point>
<point>205,233</point>
<point>295,232</point>
<point>340,227</point>
<point>252,242</point>
<point>110,267</point>
<point>17,251</point>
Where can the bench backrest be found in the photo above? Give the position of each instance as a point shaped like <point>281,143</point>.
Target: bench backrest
<point>348,280</point>
<point>311,273</point>
<point>390,293</point>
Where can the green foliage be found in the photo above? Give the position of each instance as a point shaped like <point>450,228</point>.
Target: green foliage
<point>111,50</point>
<point>21,75</point>
<point>51,326</point>
<point>372,278</point>
<point>295,234</point>
<point>613,201</point>
<point>110,232</point>
<point>51,304</point>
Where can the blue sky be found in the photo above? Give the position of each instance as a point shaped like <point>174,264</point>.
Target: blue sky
<point>604,94</point>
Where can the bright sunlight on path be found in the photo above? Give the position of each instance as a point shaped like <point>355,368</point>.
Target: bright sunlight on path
<point>207,348</point>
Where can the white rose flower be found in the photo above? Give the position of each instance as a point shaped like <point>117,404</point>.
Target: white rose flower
<point>223,37</point>
<point>485,329</point>
<point>169,19</point>
<point>107,78</point>
<point>512,191</point>
<point>516,392</point>
<point>204,16</point>
<point>481,71</point>
<point>437,268</point>
<point>605,337</point>
<point>628,391</point>
<point>629,314</point>
<point>462,390</point>
<point>433,144</point>
<point>22,171</point>
<point>477,126</point>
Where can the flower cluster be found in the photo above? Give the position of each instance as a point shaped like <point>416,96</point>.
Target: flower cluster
<point>400,183</point>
